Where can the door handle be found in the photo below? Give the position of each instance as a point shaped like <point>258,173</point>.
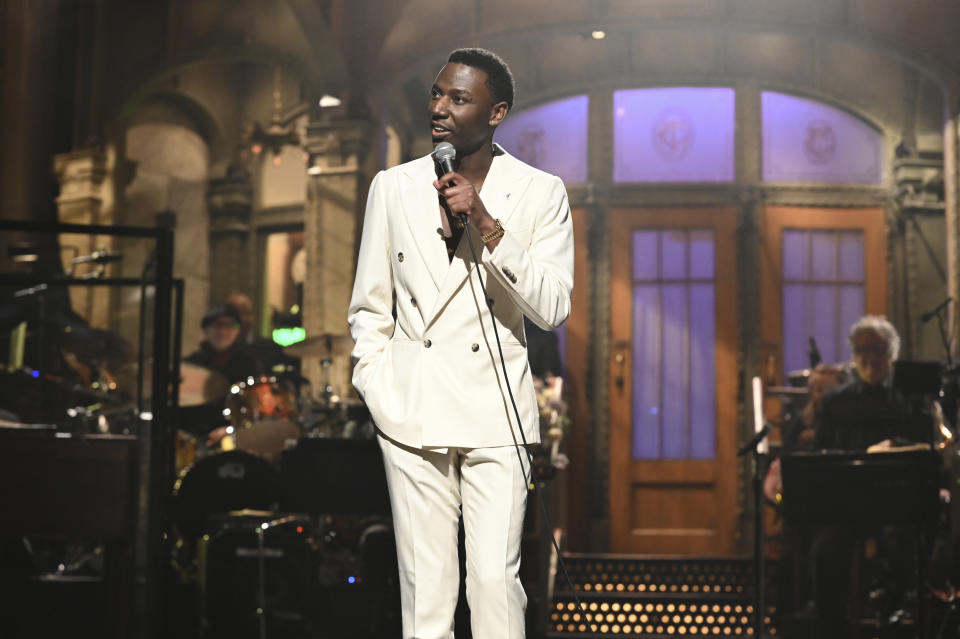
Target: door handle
<point>621,360</point>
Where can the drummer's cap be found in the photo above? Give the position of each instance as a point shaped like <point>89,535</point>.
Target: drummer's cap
<point>215,313</point>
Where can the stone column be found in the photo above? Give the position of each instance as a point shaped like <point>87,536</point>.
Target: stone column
<point>335,195</point>
<point>230,203</point>
<point>86,197</point>
<point>951,188</point>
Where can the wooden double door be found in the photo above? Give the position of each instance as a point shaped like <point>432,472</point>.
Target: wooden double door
<point>673,373</point>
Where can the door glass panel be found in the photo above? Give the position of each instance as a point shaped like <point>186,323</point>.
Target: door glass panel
<point>674,345</point>
<point>646,371</point>
<point>673,134</point>
<point>645,265</point>
<point>795,255</point>
<point>823,254</point>
<point>703,409</point>
<point>674,368</point>
<point>701,253</point>
<point>851,255</point>
<point>822,293</point>
<point>551,137</point>
<point>673,254</point>
<point>808,141</point>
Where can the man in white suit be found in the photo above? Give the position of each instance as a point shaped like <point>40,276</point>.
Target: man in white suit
<point>428,363</point>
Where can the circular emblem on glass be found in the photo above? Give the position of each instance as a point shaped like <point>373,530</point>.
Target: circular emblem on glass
<point>530,147</point>
<point>820,144</point>
<point>672,135</point>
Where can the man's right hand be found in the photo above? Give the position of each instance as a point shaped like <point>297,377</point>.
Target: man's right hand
<point>215,436</point>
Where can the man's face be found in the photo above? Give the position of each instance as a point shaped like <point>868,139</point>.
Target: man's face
<point>222,333</point>
<point>870,356</point>
<point>245,307</point>
<point>462,111</point>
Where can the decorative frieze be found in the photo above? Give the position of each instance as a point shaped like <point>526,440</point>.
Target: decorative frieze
<point>86,197</point>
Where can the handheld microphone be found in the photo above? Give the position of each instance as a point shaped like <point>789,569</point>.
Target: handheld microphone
<point>99,257</point>
<point>444,155</point>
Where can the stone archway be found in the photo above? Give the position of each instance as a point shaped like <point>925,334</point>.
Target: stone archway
<point>171,153</point>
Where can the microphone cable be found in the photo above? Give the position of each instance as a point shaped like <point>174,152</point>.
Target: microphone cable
<point>531,482</point>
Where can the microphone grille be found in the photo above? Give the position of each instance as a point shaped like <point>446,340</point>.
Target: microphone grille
<point>444,151</point>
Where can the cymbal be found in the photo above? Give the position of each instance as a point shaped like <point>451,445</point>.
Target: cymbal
<point>199,385</point>
<point>250,512</point>
<point>325,345</point>
<point>322,403</point>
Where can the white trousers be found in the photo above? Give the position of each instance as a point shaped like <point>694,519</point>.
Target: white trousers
<point>427,491</point>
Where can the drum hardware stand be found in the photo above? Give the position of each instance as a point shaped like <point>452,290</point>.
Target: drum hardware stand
<point>261,594</point>
<point>759,448</point>
<point>325,365</point>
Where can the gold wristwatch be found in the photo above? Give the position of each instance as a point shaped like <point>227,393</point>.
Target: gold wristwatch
<point>492,235</point>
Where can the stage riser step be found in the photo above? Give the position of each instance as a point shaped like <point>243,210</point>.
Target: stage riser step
<point>694,617</point>
<point>654,597</point>
<point>640,575</point>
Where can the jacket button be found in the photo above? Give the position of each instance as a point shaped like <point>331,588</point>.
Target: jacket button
<point>400,256</point>
<point>474,347</point>
<point>489,301</point>
<point>427,343</point>
<point>413,301</point>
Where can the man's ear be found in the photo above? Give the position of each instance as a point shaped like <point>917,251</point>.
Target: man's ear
<point>498,113</point>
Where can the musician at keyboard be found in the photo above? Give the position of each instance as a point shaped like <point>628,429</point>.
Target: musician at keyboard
<point>866,411</point>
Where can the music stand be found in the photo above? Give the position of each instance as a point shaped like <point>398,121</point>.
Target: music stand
<point>865,489</point>
<point>334,476</point>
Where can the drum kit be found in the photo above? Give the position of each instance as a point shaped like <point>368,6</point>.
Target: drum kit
<point>258,418</point>
<point>241,427</point>
<point>229,491</point>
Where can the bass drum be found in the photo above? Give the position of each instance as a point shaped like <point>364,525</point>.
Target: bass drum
<point>221,483</point>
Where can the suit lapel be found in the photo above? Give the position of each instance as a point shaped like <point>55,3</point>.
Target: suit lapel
<point>500,199</point>
<point>422,214</point>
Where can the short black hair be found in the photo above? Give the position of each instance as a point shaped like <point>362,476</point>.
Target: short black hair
<point>499,79</point>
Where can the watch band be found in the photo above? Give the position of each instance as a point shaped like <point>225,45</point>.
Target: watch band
<point>492,235</point>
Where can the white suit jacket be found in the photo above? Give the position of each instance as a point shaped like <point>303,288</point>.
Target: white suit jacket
<point>431,374</point>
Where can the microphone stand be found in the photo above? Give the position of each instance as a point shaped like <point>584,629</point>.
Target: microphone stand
<point>759,563</point>
<point>758,447</point>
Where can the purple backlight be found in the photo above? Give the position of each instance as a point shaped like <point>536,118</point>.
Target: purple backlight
<point>807,141</point>
<point>823,293</point>
<point>551,137</point>
<point>674,344</point>
<point>678,134</point>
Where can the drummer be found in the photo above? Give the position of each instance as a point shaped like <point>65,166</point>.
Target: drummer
<point>222,350</point>
<point>268,354</point>
<point>225,354</point>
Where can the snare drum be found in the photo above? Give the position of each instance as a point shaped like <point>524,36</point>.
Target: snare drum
<point>261,398</point>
